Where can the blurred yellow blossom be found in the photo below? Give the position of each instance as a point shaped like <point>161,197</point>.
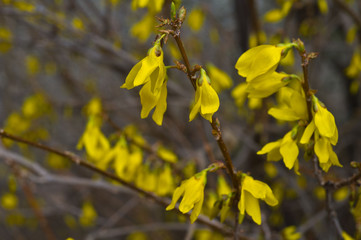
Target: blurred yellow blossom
<point>192,190</point>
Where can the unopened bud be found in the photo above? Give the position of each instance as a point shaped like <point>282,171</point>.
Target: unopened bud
<point>173,13</point>
<point>354,164</point>
<point>182,13</point>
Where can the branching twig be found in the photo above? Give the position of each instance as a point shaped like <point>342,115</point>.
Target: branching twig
<point>79,161</point>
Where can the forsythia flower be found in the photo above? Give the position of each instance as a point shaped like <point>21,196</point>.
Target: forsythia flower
<point>151,73</point>
<point>206,99</point>
<point>192,190</point>
<point>150,68</point>
<point>259,60</point>
<point>251,191</point>
<point>266,84</point>
<point>94,141</point>
<point>150,101</point>
<point>285,148</point>
<point>292,105</point>
<point>144,28</point>
<point>324,128</point>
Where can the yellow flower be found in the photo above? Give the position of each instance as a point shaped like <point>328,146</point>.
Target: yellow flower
<point>292,106</point>
<point>165,181</point>
<point>251,191</point>
<point>285,148</point>
<point>154,6</point>
<point>150,100</point>
<point>266,84</point>
<point>220,79</point>
<point>192,190</point>
<point>323,150</point>
<point>150,68</point>
<point>206,99</point>
<point>289,233</point>
<point>144,28</point>
<point>195,19</point>
<point>94,141</point>
<point>324,120</point>
<point>259,60</point>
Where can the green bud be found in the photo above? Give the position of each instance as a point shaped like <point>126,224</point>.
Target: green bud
<point>182,13</point>
<point>299,45</point>
<point>354,164</point>
<point>173,13</point>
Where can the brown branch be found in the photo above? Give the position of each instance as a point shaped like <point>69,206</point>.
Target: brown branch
<point>79,161</point>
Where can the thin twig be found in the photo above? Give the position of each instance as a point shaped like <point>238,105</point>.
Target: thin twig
<point>79,161</point>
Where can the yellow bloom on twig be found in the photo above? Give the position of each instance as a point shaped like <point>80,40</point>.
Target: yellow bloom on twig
<point>259,60</point>
<point>206,99</point>
<point>192,190</point>
<point>151,68</point>
<point>251,191</point>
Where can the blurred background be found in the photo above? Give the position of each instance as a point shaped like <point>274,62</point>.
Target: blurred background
<point>58,55</point>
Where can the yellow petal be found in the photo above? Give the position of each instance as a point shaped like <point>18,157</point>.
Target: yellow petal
<point>307,134</point>
<point>252,207</point>
<point>289,150</point>
<point>284,114</point>
<point>269,147</point>
<point>209,99</point>
<point>321,149</point>
<point>147,99</point>
<point>196,106</point>
<point>266,84</point>
<point>178,192</point>
<point>197,209</point>
<point>259,60</point>
<point>325,122</point>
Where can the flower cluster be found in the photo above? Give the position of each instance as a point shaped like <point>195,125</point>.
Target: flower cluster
<point>315,133</point>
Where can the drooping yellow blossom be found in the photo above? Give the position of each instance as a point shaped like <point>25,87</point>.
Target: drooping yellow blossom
<point>324,120</point>
<point>195,19</point>
<point>154,6</point>
<point>351,34</point>
<point>192,190</point>
<point>251,191</point>
<point>289,233</point>
<point>275,15</point>
<point>88,215</point>
<point>354,69</point>
<point>150,100</point>
<point>9,201</point>
<point>94,107</point>
<point>150,68</point>
<point>206,100</point>
<point>292,105</point>
<point>323,6</point>
<point>6,38</point>
<point>285,148</point>
<point>165,181</point>
<point>256,39</point>
<point>167,154</point>
<point>259,60</point>
<point>346,236</point>
<point>220,79</point>
<point>144,28</point>
<point>94,141</point>
<point>32,65</point>
<point>323,150</point>
<point>223,188</point>
<point>266,84</point>
<point>146,179</point>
